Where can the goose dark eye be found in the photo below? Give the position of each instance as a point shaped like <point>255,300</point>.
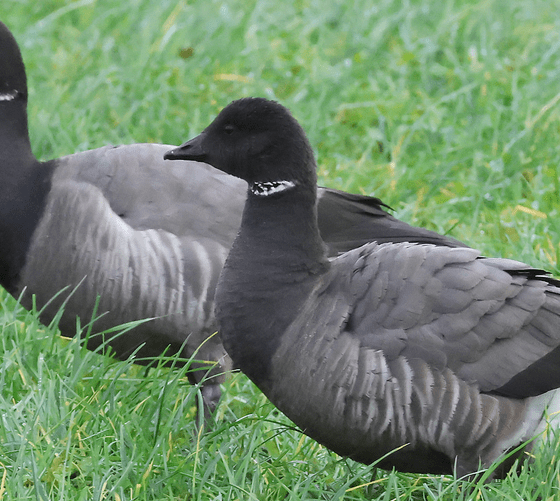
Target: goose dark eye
<point>229,129</point>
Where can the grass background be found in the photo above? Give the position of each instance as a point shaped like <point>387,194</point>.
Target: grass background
<point>447,110</point>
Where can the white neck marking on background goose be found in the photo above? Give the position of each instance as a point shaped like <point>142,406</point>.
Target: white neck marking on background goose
<point>8,96</point>
<point>267,188</point>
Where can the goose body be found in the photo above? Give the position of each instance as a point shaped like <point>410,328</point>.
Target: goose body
<point>146,237</point>
<point>452,357</point>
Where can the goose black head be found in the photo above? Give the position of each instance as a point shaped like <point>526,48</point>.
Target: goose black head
<point>13,82</point>
<point>256,140</point>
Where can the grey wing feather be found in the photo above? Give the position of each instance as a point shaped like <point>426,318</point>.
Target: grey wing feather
<point>489,320</point>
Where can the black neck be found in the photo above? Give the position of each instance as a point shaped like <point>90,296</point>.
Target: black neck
<point>276,260</point>
<point>24,184</point>
<point>284,224</point>
<point>14,136</point>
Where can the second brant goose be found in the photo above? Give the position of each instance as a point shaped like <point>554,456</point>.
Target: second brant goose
<point>451,356</point>
<point>149,238</point>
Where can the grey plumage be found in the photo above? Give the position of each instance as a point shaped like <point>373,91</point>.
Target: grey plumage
<point>118,217</point>
<point>449,355</point>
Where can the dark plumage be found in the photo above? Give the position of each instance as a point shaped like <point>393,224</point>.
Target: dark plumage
<point>148,237</point>
<point>388,344</point>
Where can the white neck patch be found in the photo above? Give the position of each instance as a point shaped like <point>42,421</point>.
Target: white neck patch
<point>268,188</point>
<point>10,96</point>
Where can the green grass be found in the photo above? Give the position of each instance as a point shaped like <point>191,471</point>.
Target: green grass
<point>448,110</point>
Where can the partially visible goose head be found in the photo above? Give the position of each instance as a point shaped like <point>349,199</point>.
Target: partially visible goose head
<point>13,96</point>
<point>13,82</point>
<point>248,140</point>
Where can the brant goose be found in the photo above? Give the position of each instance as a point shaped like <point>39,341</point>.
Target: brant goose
<point>449,356</point>
<point>149,238</point>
